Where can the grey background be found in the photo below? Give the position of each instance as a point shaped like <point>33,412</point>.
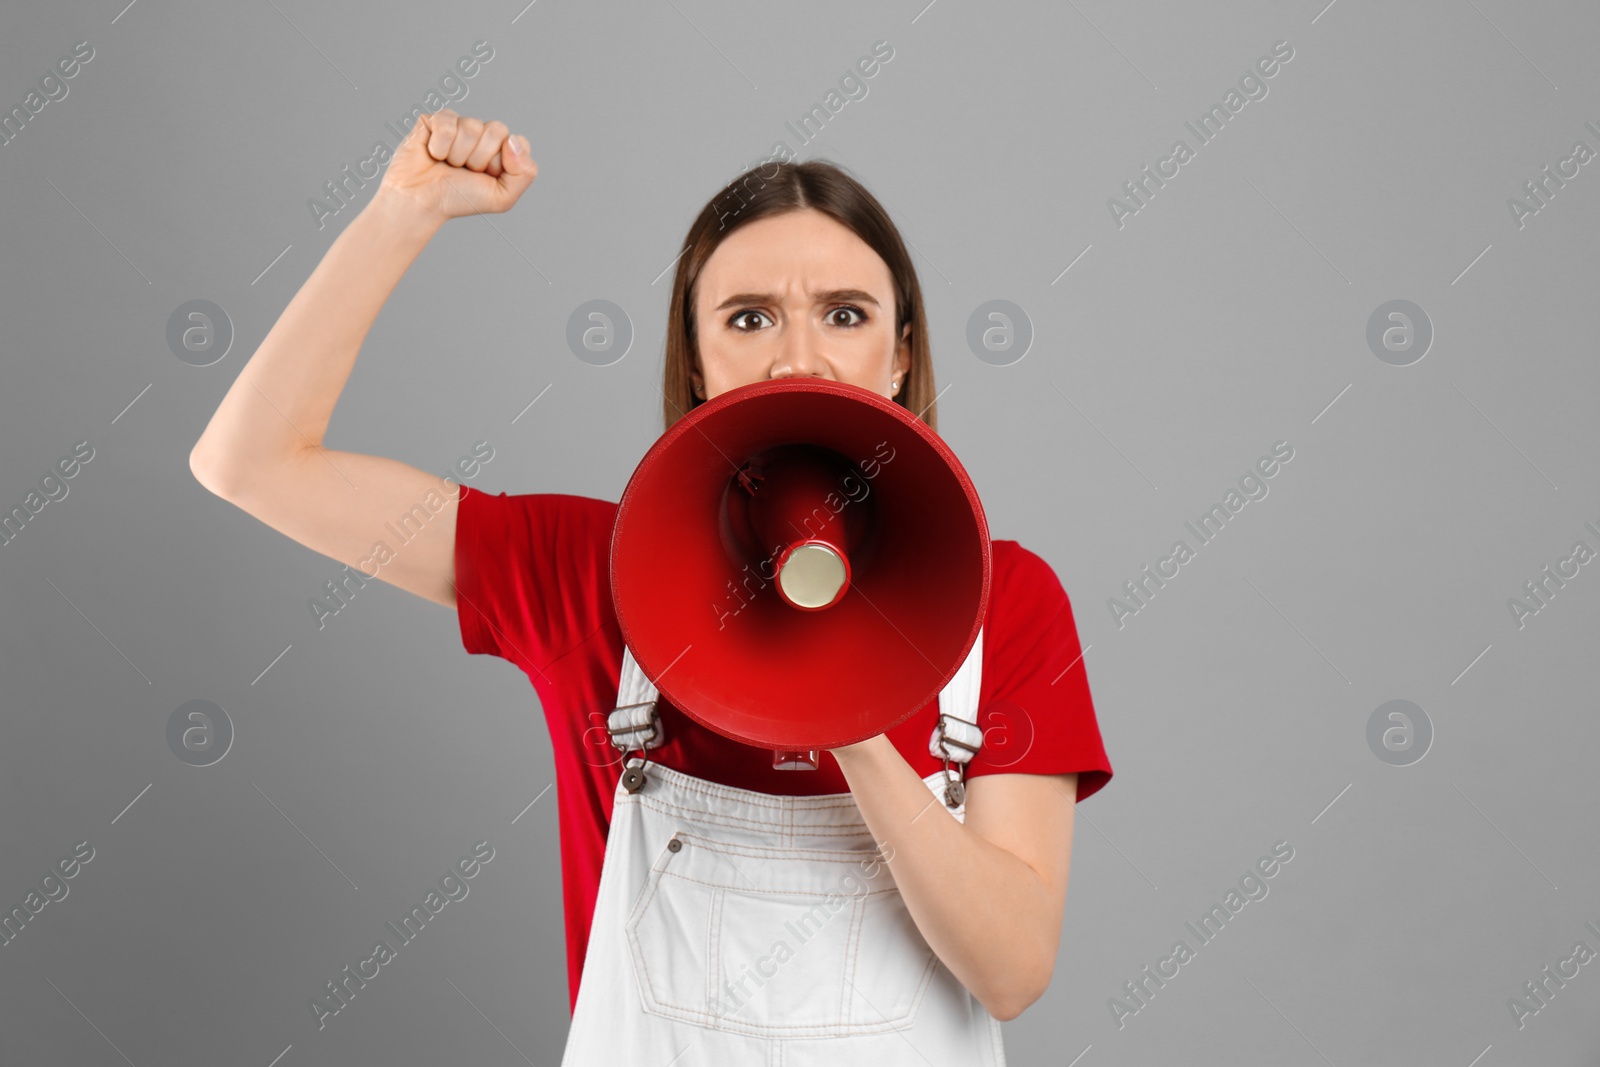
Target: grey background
<point>1228,314</point>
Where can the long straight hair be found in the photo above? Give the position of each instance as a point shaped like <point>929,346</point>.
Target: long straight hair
<point>774,189</point>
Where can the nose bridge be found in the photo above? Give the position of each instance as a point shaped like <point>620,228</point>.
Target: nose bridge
<point>801,349</point>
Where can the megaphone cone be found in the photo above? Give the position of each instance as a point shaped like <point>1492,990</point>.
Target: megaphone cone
<point>800,564</point>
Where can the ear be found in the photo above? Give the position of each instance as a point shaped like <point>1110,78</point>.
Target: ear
<point>698,382</point>
<point>903,355</point>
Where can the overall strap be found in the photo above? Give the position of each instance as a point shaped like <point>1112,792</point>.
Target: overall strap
<point>956,736</point>
<point>634,723</point>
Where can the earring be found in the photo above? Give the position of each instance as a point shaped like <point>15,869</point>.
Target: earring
<point>895,388</point>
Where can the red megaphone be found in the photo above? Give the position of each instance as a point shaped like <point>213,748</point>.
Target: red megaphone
<point>800,564</point>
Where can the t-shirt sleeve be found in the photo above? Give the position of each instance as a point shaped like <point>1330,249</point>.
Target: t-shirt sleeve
<point>531,570</point>
<point>1036,713</point>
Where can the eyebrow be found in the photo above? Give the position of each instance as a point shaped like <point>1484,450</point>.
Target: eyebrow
<point>826,296</point>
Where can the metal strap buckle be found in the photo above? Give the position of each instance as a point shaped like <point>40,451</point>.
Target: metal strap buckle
<point>946,739</point>
<point>955,790</point>
<point>625,737</point>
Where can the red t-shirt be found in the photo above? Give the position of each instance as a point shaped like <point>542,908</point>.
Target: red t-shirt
<point>533,586</point>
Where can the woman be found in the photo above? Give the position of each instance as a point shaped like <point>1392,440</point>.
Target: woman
<point>717,909</point>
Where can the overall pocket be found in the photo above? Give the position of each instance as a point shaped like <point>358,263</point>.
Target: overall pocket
<point>776,943</point>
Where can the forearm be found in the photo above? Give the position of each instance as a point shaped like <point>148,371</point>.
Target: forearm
<point>284,396</point>
<point>982,909</point>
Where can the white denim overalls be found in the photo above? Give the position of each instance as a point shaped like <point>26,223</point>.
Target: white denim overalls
<point>735,928</point>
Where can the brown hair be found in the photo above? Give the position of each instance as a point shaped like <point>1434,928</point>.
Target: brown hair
<point>774,189</point>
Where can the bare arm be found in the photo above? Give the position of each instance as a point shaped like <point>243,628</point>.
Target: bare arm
<point>987,894</point>
<point>263,450</point>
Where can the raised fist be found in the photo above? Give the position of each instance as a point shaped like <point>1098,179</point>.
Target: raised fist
<point>451,165</point>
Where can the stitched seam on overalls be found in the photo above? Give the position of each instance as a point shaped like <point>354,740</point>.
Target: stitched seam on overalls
<point>751,1028</point>
<point>775,802</point>
<point>852,946</point>
<point>653,884</point>
<point>810,893</point>
<point>822,802</point>
<point>762,852</point>
<point>780,827</point>
<point>782,1030</point>
<point>714,948</point>
<point>658,875</point>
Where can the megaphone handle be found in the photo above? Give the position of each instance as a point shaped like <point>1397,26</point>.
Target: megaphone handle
<point>788,759</point>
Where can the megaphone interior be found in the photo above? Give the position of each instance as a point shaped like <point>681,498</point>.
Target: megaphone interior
<point>800,564</point>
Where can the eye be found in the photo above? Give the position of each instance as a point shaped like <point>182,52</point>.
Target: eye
<point>862,315</point>
<point>740,315</point>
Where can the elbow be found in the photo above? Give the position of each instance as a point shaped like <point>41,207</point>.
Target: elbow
<point>210,471</point>
<point>1019,994</point>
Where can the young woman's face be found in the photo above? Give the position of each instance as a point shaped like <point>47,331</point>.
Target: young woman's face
<point>797,295</point>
